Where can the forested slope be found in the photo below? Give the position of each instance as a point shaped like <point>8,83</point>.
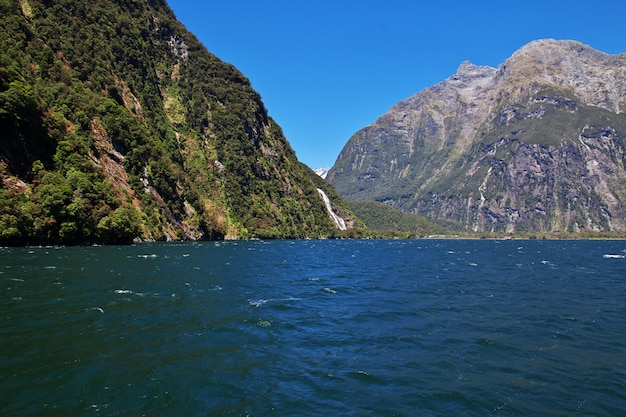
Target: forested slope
<point>117,124</point>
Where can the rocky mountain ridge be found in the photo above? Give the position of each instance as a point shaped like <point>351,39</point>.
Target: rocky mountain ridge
<point>536,144</point>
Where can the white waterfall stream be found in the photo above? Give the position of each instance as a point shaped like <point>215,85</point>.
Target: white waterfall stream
<point>341,224</point>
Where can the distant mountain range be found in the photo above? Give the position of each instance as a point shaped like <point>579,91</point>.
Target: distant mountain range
<point>322,172</point>
<point>117,124</point>
<point>537,144</point>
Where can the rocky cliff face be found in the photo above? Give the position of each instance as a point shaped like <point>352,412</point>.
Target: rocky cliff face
<point>537,144</point>
<point>116,124</point>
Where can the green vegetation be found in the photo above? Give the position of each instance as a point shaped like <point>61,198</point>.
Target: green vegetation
<point>387,221</point>
<point>554,114</point>
<point>116,124</point>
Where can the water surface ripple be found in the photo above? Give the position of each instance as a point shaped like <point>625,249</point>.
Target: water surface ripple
<point>310,328</point>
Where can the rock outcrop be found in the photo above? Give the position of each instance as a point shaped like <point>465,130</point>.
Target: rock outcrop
<point>537,144</point>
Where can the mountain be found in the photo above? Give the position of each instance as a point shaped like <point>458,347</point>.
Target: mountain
<point>537,144</point>
<point>322,172</point>
<point>117,124</point>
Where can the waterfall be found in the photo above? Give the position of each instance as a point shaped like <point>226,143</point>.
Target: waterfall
<point>341,224</point>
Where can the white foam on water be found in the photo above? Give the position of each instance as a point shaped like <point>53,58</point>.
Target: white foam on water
<point>258,303</point>
<point>263,301</point>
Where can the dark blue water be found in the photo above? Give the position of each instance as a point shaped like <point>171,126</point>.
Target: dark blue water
<point>315,328</point>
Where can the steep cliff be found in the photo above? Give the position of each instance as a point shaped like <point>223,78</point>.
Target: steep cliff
<point>116,124</point>
<point>537,144</point>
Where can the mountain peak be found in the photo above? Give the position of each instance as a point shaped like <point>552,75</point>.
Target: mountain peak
<point>468,69</point>
<point>550,45</point>
<point>534,145</point>
<point>595,77</point>
<point>470,76</point>
<point>552,51</point>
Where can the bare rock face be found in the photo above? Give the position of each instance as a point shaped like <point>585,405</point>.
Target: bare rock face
<point>536,144</point>
<point>597,79</point>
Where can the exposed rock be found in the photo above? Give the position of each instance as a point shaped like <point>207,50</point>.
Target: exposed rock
<point>536,144</point>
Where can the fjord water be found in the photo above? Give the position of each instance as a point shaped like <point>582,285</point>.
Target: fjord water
<point>310,328</point>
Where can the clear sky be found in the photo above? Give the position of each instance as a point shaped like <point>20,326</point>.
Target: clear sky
<point>327,68</point>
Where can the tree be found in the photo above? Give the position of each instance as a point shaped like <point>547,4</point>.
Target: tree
<point>122,226</point>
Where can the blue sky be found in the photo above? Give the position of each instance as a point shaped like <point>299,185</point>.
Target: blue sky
<point>327,68</point>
